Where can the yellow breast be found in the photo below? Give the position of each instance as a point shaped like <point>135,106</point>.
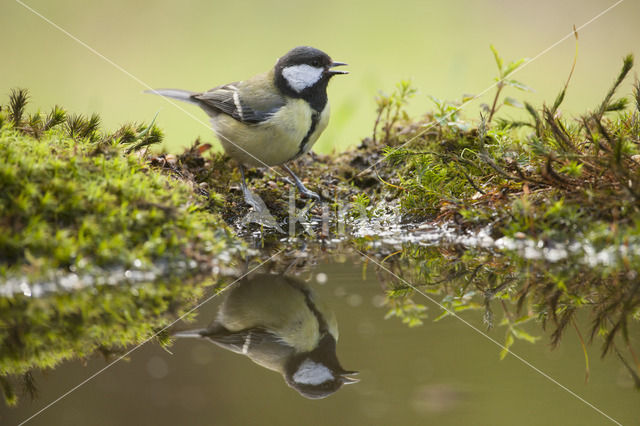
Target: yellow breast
<point>272,142</point>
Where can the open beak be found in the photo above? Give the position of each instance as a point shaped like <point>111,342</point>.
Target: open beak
<point>337,64</point>
<point>349,380</point>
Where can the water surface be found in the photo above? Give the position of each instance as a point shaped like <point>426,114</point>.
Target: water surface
<point>439,372</point>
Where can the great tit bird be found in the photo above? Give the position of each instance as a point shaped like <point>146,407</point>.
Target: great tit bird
<point>274,117</point>
<point>277,322</point>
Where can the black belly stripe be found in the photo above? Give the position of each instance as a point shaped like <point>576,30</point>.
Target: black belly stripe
<point>315,117</point>
<point>308,298</point>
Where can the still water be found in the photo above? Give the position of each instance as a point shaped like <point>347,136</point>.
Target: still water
<point>440,372</point>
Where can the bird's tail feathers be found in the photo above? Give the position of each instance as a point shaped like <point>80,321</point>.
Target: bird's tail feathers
<point>181,95</point>
<point>198,332</point>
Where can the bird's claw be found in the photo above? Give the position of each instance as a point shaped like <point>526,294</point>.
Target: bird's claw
<point>306,193</point>
<point>310,194</point>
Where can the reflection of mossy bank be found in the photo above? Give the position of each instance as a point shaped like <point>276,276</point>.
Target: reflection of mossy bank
<point>38,333</point>
<point>517,296</point>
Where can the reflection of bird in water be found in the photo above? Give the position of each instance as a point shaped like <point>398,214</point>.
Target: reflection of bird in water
<point>277,322</point>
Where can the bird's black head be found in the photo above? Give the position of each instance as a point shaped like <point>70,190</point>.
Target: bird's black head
<point>304,72</point>
<point>318,374</point>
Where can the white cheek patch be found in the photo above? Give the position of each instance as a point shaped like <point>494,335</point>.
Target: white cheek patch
<point>311,373</point>
<point>302,76</point>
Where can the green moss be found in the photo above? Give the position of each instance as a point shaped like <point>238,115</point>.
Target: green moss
<point>561,180</point>
<point>73,199</point>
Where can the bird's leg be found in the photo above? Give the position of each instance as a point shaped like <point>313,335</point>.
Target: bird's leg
<point>305,192</point>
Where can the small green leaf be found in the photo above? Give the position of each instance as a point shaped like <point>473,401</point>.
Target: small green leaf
<point>532,111</point>
<point>556,209</point>
<point>435,100</point>
<point>523,319</point>
<point>441,316</point>
<point>562,286</point>
<point>523,335</point>
<point>460,125</point>
<point>558,100</point>
<point>617,105</point>
<point>573,169</point>
<point>513,66</point>
<point>507,344</point>
<point>498,60</point>
<point>466,97</point>
<point>512,102</point>
<point>518,85</point>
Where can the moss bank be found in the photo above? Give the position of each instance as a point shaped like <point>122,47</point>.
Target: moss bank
<point>551,178</point>
<point>78,199</point>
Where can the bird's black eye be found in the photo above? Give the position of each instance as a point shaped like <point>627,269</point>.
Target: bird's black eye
<point>315,62</point>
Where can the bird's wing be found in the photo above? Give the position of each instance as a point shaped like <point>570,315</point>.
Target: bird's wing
<point>241,341</point>
<point>247,101</point>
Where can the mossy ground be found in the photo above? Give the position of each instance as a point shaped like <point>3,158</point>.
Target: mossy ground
<point>551,178</point>
<point>74,199</point>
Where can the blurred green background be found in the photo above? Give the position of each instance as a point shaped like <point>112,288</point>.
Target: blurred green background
<point>442,46</point>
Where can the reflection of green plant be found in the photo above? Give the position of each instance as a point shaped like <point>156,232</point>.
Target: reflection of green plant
<point>401,306</point>
<point>515,331</point>
<point>524,291</point>
<point>457,303</point>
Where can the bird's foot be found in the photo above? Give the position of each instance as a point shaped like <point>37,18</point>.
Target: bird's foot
<point>306,193</point>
